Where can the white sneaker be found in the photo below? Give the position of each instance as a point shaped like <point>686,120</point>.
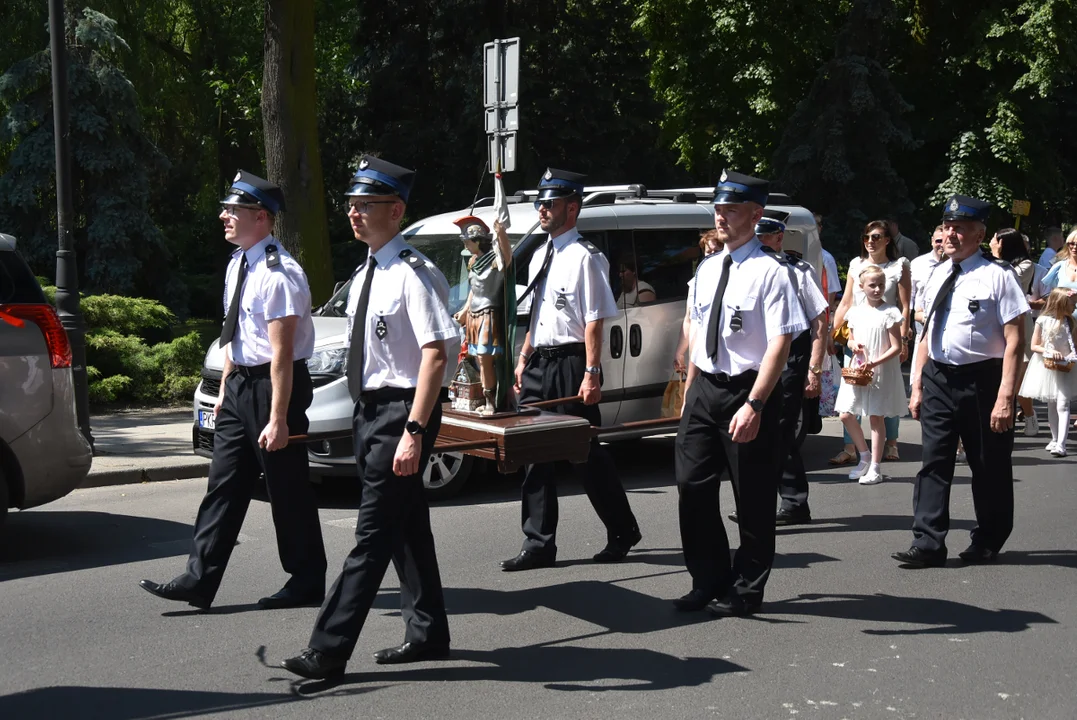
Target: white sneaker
<point>1051,446</point>
<point>872,477</point>
<point>859,470</point>
<point>1032,425</point>
<point>1058,451</point>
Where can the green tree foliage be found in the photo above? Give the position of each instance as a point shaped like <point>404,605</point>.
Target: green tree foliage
<point>114,163</point>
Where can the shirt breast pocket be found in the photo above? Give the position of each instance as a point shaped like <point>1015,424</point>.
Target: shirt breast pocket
<point>739,316</point>
<point>386,320</point>
<point>976,303</point>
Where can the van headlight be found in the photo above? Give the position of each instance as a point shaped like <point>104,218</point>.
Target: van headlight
<point>329,361</point>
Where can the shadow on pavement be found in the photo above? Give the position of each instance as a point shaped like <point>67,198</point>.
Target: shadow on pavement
<point>42,542</point>
<point>943,617</point>
<point>108,703</point>
<point>1059,558</point>
<point>570,669</point>
<point>865,523</point>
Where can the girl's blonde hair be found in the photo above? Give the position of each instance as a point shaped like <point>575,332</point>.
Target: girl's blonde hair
<point>1060,305</point>
<point>871,271</point>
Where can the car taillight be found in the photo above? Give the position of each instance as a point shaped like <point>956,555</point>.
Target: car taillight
<point>45,317</point>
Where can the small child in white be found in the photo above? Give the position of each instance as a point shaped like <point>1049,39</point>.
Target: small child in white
<point>875,340</point>
<point>1052,344</point>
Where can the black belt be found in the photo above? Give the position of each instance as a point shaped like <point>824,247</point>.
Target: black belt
<point>386,394</point>
<point>260,370</point>
<point>970,368</point>
<point>725,378</point>
<point>560,351</point>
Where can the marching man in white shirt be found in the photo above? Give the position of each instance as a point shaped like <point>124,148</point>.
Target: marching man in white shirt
<point>745,313</point>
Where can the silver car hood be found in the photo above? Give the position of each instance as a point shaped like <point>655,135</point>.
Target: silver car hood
<point>328,332</point>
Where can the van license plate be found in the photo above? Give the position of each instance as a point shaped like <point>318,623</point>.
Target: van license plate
<point>206,419</point>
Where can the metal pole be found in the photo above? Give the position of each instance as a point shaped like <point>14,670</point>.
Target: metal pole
<point>67,279</point>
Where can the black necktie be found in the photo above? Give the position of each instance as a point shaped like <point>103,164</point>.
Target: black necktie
<point>229,330</point>
<point>714,326</point>
<point>539,276</point>
<point>945,291</point>
<point>358,343</point>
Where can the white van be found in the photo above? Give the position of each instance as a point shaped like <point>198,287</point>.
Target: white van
<point>654,233</point>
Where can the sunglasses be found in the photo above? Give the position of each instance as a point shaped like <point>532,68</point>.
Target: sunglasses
<point>543,204</point>
<point>875,237</point>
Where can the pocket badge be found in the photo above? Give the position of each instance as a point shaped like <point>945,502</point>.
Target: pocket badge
<point>381,329</point>
<point>974,306</point>
<point>561,302</point>
<point>736,322</point>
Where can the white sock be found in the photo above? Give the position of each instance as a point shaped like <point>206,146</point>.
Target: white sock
<point>875,469</point>
<point>865,457</point>
<point>1063,420</point>
<point>1052,419</point>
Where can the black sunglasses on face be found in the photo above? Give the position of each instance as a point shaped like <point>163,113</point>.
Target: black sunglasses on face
<point>874,236</point>
<point>543,204</point>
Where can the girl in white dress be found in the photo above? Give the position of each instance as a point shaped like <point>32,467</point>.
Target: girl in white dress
<point>875,341</point>
<point>1052,338</point>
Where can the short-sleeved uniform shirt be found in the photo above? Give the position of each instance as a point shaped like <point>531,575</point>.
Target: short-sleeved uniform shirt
<point>407,310</point>
<point>269,293</point>
<point>812,301</point>
<point>576,291</point>
<point>919,271</point>
<point>830,267</point>
<point>760,292</point>
<point>986,296</point>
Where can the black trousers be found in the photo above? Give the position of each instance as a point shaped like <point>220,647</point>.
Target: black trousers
<point>233,474</point>
<point>793,483</point>
<point>705,450</point>
<point>393,524</point>
<point>957,403</point>
<point>547,378</point>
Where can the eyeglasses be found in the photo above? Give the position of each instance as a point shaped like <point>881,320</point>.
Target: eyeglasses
<point>230,210</point>
<point>363,206</point>
<point>874,237</point>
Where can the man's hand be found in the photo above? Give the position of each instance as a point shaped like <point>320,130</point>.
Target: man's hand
<point>406,459</point>
<point>745,424</point>
<point>590,390</point>
<point>904,350</point>
<point>519,372</point>
<point>220,400</point>
<point>831,346</point>
<point>812,387</point>
<point>915,395</point>
<point>275,435</point>
<point>679,364</point>
<point>1002,415</point>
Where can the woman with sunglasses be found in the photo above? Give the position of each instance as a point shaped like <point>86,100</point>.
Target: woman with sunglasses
<point>877,248</point>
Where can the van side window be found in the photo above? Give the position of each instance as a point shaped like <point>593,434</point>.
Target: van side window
<point>664,262</point>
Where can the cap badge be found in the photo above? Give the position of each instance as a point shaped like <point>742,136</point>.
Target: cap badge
<point>954,205</point>
<point>548,175</point>
<point>725,176</point>
<point>364,164</point>
<point>238,177</point>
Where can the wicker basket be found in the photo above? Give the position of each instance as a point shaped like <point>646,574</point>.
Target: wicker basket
<point>1057,365</point>
<point>859,375</point>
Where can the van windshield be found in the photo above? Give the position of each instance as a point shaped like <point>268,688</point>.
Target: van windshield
<point>446,251</point>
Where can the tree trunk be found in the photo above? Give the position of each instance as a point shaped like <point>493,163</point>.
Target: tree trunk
<point>290,123</point>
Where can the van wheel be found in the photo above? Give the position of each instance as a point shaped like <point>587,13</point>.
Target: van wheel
<point>445,474</point>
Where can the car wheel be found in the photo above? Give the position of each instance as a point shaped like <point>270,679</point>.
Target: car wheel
<point>445,474</point>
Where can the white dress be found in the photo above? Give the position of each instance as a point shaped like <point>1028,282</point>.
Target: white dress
<point>885,395</point>
<point>1041,383</point>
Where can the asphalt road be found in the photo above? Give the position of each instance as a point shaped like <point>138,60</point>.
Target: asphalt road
<point>845,632</point>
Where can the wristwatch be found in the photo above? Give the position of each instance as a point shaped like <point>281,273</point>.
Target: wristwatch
<point>755,404</point>
<point>414,428</point>
<point>816,369</point>
<point>593,369</point>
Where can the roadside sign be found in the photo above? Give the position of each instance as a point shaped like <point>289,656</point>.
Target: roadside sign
<point>1021,207</point>
<point>510,120</point>
<point>503,149</point>
<point>501,95</point>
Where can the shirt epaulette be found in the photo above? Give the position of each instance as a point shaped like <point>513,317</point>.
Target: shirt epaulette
<point>272,256</point>
<point>591,247</point>
<point>410,258</point>
<point>998,261</point>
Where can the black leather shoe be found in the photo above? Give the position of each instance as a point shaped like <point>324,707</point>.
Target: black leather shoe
<point>411,652</point>
<point>733,516</point>
<point>917,557</point>
<point>171,591</point>
<point>288,598</point>
<point>314,665</point>
<point>528,560</point>
<point>786,517</point>
<point>694,601</point>
<point>616,550</point>
<point>733,606</point>
<point>976,554</point>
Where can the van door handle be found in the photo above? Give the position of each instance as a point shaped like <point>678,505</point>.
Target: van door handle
<point>635,340</point>
<point>617,342</point>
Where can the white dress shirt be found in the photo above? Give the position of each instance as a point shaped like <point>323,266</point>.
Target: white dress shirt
<point>582,278</point>
<point>986,296</point>
<point>812,301</point>
<point>760,291</point>
<point>919,271</point>
<point>410,306</point>
<point>830,267</point>
<point>1048,257</point>
<point>269,293</point>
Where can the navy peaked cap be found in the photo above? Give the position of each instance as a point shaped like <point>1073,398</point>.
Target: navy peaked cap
<point>560,183</point>
<point>734,188</point>
<point>960,207</point>
<point>249,189</point>
<point>769,226</point>
<point>380,177</point>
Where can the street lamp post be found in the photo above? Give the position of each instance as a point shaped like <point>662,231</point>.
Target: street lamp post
<point>67,279</point>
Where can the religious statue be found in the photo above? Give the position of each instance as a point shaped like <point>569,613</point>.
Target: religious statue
<point>489,320</point>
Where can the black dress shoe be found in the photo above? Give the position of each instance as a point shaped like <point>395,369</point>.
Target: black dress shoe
<point>733,606</point>
<point>314,665</point>
<point>617,549</point>
<point>288,598</point>
<point>411,652</point>
<point>733,516</point>
<point>917,557</point>
<point>529,560</point>
<point>171,591</point>
<point>975,554</point>
<point>694,601</point>
<point>792,517</point>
